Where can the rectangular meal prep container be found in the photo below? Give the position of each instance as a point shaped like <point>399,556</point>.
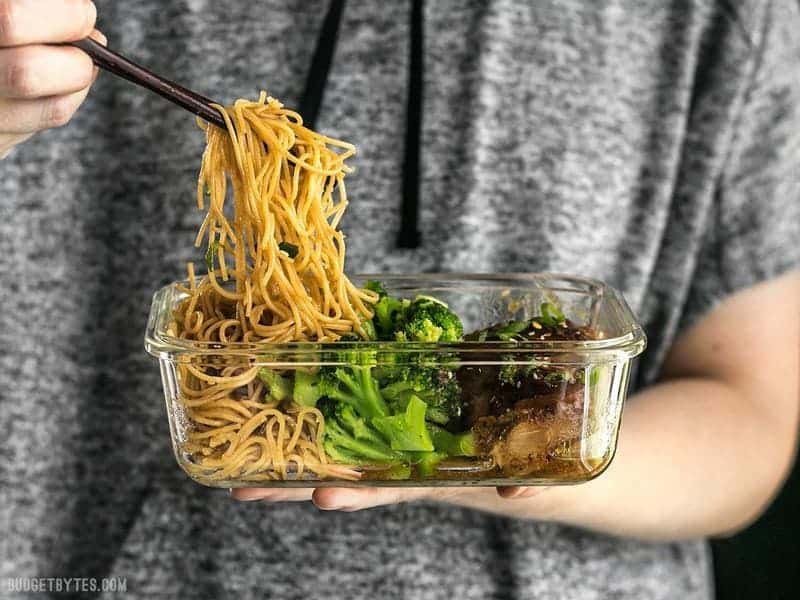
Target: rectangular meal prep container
<point>563,432</point>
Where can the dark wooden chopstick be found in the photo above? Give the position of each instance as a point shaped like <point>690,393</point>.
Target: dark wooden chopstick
<point>117,64</point>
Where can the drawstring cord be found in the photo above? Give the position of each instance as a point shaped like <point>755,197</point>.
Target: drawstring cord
<point>409,235</point>
<point>317,77</point>
<point>311,101</point>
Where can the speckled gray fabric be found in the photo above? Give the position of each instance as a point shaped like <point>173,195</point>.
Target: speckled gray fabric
<point>654,145</point>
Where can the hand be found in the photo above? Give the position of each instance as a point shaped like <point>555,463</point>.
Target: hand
<point>42,85</point>
<point>352,499</point>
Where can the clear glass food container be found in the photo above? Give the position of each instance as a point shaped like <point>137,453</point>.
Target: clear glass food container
<point>528,411</point>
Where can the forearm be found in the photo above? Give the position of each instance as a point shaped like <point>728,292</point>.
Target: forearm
<point>695,458</point>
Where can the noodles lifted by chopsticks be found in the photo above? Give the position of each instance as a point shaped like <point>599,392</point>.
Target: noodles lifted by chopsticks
<point>276,268</point>
<point>274,194</point>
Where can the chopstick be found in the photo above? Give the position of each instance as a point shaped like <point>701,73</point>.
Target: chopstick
<point>120,66</point>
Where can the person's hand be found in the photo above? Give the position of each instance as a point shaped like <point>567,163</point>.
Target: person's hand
<point>42,85</point>
<point>352,499</point>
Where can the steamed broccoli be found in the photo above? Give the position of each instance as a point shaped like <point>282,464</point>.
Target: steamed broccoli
<point>369,330</point>
<point>427,462</point>
<point>355,385</point>
<point>445,445</point>
<point>352,384</point>
<point>387,414</point>
<point>357,425</point>
<point>428,320</point>
<point>452,444</point>
<point>306,390</point>
<point>354,439</point>
<point>350,439</point>
<point>438,388</point>
<point>406,430</point>
<point>375,286</point>
<point>389,313</point>
<point>279,386</point>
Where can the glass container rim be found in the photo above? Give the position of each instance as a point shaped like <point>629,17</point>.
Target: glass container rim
<point>628,344</point>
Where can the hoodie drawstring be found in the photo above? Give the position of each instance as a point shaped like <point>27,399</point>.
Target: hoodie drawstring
<point>409,235</point>
<point>317,77</point>
<point>311,100</point>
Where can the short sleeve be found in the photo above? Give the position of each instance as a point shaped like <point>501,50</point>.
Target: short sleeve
<point>755,231</point>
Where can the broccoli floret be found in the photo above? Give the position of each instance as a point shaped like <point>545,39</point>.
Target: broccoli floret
<point>389,316</point>
<point>352,384</point>
<point>279,386</point>
<point>428,320</point>
<point>358,426</point>
<point>424,320</point>
<point>355,385</point>
<point>398,472</point>
<point>427,462</point>
<point>339,455</point>
<point>438,388</point>
<point>406,430</point>
<point>445,444</point>
<point>342,444</point>
<point>452,444</point>
<point>369,334</point>
<point>369,330</point>
<point>376,286</point>
<point>306,389</point>
<point>389,312</point>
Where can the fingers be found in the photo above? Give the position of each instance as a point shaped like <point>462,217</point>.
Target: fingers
<point>515,492</point>
<point>7,142</point>
<point>346,499</point>
<point>272,494</point>
<point>45,21</point>
<point>352,499</point>
<point>21,116</point>
<point>39,71</point>
<point>41,86</point>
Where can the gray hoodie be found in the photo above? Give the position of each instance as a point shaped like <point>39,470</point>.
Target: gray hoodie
<point>654,145</point>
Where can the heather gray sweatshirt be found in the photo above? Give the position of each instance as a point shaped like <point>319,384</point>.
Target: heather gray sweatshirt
<point>654,145</point>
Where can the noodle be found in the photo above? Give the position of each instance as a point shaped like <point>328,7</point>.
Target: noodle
<point>274,194</point>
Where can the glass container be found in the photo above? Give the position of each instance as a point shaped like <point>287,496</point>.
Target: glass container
<point>538,411</point>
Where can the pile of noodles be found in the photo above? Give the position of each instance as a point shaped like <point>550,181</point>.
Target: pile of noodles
<point>275,194</point>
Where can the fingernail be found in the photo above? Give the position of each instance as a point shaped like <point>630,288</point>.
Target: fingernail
<point>334,500</point>
<point>327,504</point>
<point>510,493</point>
<point>100,37</point>
<point>248,496</point>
